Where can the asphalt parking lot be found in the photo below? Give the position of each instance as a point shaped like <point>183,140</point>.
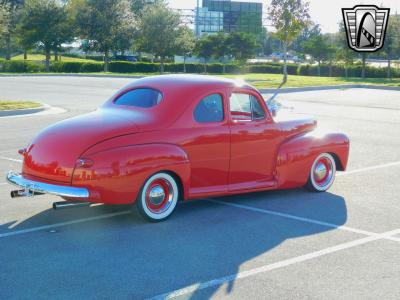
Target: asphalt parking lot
<point>343,244</point>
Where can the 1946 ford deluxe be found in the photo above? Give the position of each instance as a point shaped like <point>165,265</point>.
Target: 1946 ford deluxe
<point>177,137</point>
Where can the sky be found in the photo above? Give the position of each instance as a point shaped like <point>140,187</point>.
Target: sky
<point>327,13</point>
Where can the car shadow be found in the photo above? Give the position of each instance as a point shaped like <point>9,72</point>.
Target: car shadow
<point>126,257</point>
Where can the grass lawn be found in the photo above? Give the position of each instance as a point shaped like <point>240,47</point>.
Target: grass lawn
<point>8,105</point>
<point>273,80</point>
<point>41,57</point>
<point>266,80</point>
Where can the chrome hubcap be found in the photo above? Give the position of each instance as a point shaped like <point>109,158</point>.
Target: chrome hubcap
<point>323,172</point>
<point>320,171</point>
<point>156,195</point>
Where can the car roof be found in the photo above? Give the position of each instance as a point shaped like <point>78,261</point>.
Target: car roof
<point>187,80</point>
<point>179,91</point>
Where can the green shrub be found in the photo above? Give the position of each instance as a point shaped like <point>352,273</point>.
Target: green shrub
<point>20,66</point>
<point>265,68</point>
<point>76,67</point>
<point>35,67</point>
<point>233,68</point>
<point>73,55</point>
<point>216,68</point>
<point>340,71</point>
<point>65,67</point>
<point>90,67</point>
<point>95,57</point>
<point>129,67</point>
<point>195,68</point>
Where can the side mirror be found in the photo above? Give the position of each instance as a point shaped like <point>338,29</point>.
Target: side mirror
<point>273,107</point>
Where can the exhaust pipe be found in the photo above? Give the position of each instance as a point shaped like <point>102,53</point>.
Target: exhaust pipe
<point>69,204</point>
<point>24,193</point>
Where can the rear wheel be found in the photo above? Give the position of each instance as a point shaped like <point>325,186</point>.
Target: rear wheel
<point>322,173</point>
<point>158,197</point>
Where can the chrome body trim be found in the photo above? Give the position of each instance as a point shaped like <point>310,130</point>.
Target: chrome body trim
<point>32,187</point>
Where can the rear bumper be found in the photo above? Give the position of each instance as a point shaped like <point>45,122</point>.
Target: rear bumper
<point>32,187</point>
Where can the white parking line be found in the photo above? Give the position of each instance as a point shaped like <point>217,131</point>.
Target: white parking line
<point>392,164</point>
<point>56,225</point>
<point>293,217</point>
<point>301,219</point>
<point>3,183</point>
<point>277,265</point>
<point>11,159</point>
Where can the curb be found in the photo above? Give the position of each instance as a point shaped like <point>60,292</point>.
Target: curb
<point>330,87</point>
<point>25,111</point>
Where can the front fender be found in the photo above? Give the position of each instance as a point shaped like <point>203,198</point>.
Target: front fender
<point>296,156</point>
<point>118,174</point>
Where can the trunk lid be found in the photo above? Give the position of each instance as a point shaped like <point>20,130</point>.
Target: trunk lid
<point>53,153</point>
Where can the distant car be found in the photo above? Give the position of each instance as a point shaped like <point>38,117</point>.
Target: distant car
<point>277,54</point>
<point>177,137</point>
<point>130,58</point>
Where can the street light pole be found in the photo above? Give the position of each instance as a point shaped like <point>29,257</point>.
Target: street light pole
<point>197,20</point>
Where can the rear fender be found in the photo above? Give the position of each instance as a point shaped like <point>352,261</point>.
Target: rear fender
<point>118,174</point>
<point>296,156</point>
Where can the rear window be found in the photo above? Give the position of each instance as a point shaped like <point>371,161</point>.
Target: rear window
<point>140,98</point>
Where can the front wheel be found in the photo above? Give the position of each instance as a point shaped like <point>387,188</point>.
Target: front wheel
<point>158,197</point>
<point>322,173</point>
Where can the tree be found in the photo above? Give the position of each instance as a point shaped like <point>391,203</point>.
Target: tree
<point>221,47</point>
<point>3,15</point>
<point>10,17</point>
<point>391,46</point>
<point>344,53</point>
<point>137,6</point>
<point>271,43</point>
<point>106,24</point>
<point>363,60</point>
<point>242,46</point>
<point>331,41</point>
<point>289,17</point>
<point>319,49</point>
<point>45,23</point>
<point>307,33</point>
<point>158,31</point>
<point>204,49</point>
<point>185,43</point>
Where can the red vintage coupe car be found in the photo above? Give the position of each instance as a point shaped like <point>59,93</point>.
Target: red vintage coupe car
<point>177,137</point>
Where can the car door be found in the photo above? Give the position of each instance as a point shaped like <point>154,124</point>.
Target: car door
<point>207,143</point>
<point>254,138</point>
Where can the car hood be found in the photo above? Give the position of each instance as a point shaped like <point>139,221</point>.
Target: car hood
<point>53,153</point>
<point>292,124</point>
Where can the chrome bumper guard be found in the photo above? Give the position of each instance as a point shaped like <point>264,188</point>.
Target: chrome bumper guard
<point>31,187</point>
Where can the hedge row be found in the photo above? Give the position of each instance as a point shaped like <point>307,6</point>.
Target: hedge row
<point>19,66</point>
<point>76,67</point>
<point>352,71</point>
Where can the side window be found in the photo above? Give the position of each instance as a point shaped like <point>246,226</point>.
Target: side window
<point>210,109</point>
<point>257,109</point>
<point>140,98</point>
<point>245,107</point>
<point>240,106</point>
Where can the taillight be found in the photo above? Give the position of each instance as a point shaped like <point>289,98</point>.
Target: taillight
<point>84,163</point>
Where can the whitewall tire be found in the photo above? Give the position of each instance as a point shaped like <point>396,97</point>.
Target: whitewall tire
<point>158,197</point>
<point>322,173</point>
